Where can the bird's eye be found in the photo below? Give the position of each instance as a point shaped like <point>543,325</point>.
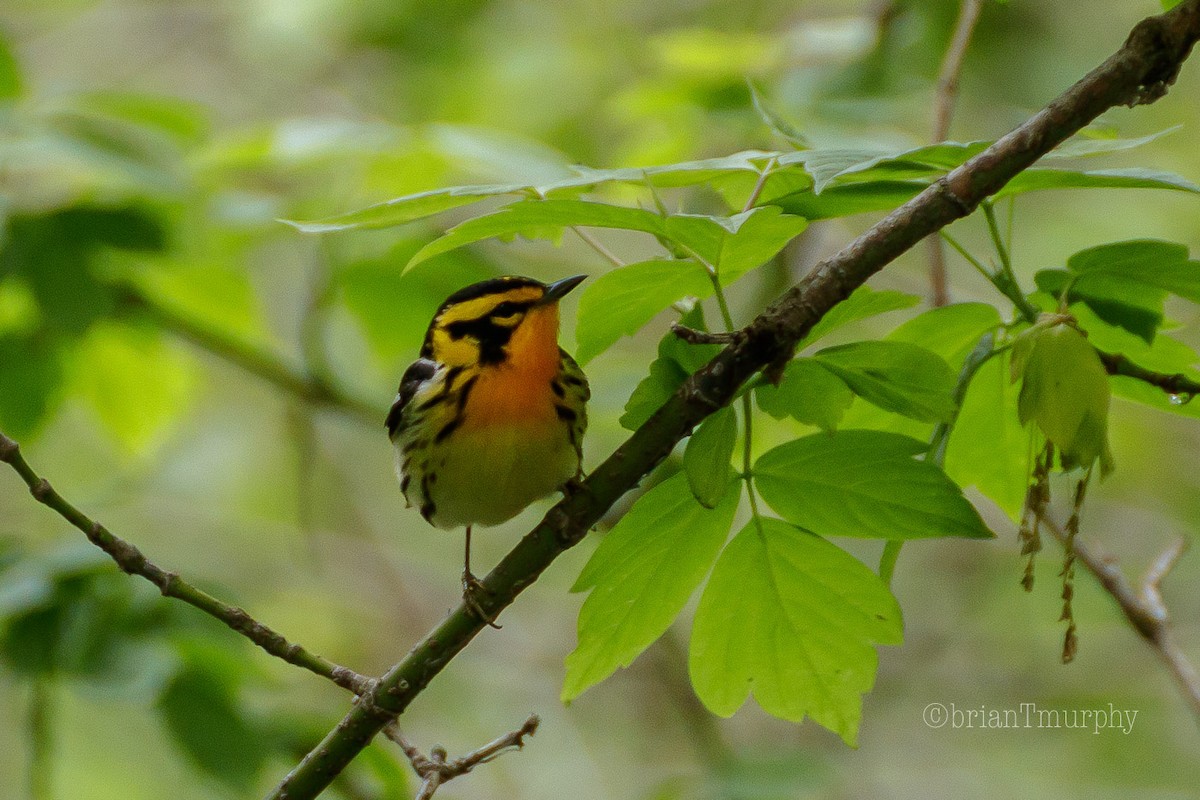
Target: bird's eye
<point>505,310</point>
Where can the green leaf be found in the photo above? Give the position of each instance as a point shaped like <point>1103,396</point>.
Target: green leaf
<point>707,454</point>
<point>620,302</point>
<point>951,332</point>
<point>791,619</point>
<point>665,377</point>
<point>1142,392</point>
<point>1032,180</point>
<point>204,718</point>
<point>135,382</point>
<point>780,126</point>
<point>988,448</point>
<point>732,245</point>
<point>181,120</point>
<point>403,210</point>
<point>1136,307</point>
<point>849,199</point>
<point>863,302</point>
<point>1150,262</point>
<point>1064,389</point>
<point>896,376</point>
<point>676,360</point>
<point>808,393</point>
<point>1165,354</point>
<point>864,484</point>
<point>1085,146</point>
<point>641,576</point>
<point>750,239</point>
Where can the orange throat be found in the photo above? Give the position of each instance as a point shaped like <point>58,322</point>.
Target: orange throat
<point>518,390</point>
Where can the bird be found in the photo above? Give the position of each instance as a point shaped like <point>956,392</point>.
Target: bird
<point>491,415</point>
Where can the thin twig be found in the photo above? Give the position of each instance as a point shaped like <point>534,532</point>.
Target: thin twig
<point>947,94</point>
<point>170,584</point>
<point>598,246</point>
<point>434,770</point>
<point>1139,72</point>
<point>269,366</point>
<point>951,69</point>
<point>1143,607</point>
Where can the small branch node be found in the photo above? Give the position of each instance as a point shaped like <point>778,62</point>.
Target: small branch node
<point>169,584</point>
<point>693,336</point>
<point>1151,593</point>
<point>41,490</point>
<point>8,449</point>
<point>435,769</point>
<point>943,188</point>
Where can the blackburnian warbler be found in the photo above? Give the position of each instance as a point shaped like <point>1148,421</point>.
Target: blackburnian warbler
<point>491,416</point>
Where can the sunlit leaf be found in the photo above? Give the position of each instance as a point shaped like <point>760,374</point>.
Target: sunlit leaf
<point>1040,179</point>
<point>896,376</point>
<point>951,332</point>
<point>136,383</point>
<point>732,245</point>
<point>1150,262</point>
<point>863,302</point>
<point>988,448</point>
<point>864,484</point>
<point>808,393</point>
<point>404,209</point>
<point>792,619</point>
<point>620,302</point>
<point>641,576</point>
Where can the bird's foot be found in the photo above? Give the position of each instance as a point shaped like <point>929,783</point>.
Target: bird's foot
<point>573,486</point>
<point>473,588</point>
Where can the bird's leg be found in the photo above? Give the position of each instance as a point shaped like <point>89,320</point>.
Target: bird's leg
<point>472,586</point>
<point>573,485</point>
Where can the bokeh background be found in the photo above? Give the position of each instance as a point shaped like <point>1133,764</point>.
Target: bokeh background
<point>147,150</point>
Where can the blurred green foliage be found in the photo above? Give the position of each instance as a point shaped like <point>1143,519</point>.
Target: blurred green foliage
<point>146,156</point>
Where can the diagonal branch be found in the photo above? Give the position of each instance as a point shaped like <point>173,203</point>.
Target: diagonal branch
<point>1139,72</point>
<point>1143,607</point>
<point>132,561</point>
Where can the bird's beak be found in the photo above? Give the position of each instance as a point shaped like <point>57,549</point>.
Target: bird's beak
<point>557,290</point>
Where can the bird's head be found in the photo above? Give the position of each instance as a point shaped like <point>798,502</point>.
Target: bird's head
<point>502,321</point>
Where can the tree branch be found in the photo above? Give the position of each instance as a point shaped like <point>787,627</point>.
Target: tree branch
<point>1137,73</point>
<point>947,94</point>
<point>434,770</point>
<point>132,561</point>
<point>1177,385</point>
<point>315,389</point>
<point>1144,607</point>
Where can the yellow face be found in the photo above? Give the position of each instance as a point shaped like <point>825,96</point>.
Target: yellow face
<point>492,323</point>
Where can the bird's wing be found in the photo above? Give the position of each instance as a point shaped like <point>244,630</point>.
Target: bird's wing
<point>417,373</point>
